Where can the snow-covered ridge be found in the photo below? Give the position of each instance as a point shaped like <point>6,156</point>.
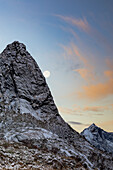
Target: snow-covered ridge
<point>99,138</point>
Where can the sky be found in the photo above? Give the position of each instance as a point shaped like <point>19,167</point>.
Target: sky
<point>73,40</point>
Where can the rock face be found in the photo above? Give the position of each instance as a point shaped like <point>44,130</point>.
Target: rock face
<point>30,119</point>
<point>26,100</point>
<point>99,138</point>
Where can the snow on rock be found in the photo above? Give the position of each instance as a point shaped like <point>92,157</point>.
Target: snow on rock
<point>88,135</point>
<point>99,138</point>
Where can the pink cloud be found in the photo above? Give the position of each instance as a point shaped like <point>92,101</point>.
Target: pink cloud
<point>73,53</point>
<point>96,108</point>
<point>98,91</point>
<point>80,23</point>
<point>86,74</point>
<point>69,111</point>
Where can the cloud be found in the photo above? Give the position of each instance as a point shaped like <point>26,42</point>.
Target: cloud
<point>95,89</point>
<point>84,110</point>
<point>80,23</point>
<point>109,72</point>
<point>109,63</point>
<point>78,123</point>
<point>86,74</point>
<point>75,123</point>
<point>98,91</point>
<point>74,34</point>
<point>68,52</point>
<point>72,52</point>
<point>84,25</point>
<point>69,111</point>
<point>70,30</point>
<point>66,110</point>
<point>99,114</point>
<point>96,108</point>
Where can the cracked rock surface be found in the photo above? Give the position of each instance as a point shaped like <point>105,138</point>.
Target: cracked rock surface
<point>24,93</point>
<point>29,120</point>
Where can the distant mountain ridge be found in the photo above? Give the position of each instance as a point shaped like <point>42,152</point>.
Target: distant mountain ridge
<point>99,138</point>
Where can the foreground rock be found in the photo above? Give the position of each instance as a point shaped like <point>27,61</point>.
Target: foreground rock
<point>30,121</point>
<point>19,156</point>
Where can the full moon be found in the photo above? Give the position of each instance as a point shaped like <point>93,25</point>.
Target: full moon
<point>46,74</point>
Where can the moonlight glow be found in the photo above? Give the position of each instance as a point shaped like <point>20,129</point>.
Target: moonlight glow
<point>46,74</point>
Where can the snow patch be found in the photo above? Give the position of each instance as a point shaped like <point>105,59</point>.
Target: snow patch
<point>88,135</point>
<point>65,151</point>
<point>25,107</point>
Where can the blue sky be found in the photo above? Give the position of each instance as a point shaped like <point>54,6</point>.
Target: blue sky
<point>73,39</point>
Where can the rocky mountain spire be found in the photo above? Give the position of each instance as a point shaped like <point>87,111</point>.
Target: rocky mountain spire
<point>25,97</point>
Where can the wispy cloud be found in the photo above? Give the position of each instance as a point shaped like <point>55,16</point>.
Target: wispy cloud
<point>74,34</point>
<point>70,111</point>
<point>81,111</point>
<point>85,26</point>
<point>78,123</point>
<point>75,123</point>
<point>73,53</point>
<point>78,22</point>
<point>109,72</point>
<point>77,53</point>
<point>99,90</point>
<point>95,89</point>
<point>96,108</point>
<point>86,74</point>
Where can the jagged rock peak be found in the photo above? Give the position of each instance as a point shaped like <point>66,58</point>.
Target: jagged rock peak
<point>15,46</point>
<point>26,95</point>
<point>99,138</point>
<point>20,73</point>
<point>93,124</point>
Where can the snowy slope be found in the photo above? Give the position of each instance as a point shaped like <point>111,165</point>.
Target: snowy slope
<point>99,138</point>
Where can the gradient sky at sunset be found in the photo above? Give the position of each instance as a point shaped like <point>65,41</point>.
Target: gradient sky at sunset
<point>73,39</point>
